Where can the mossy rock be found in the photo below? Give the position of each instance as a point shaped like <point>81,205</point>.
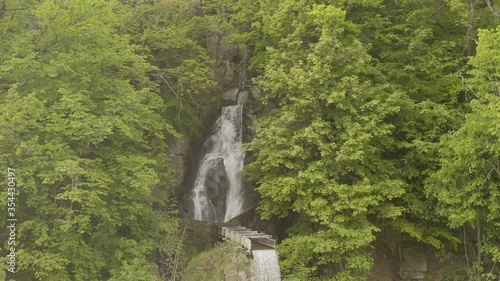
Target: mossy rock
<point>225,259</point>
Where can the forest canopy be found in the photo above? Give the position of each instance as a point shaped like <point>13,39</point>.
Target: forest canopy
<point>385,127</point>
<point>86,111</point>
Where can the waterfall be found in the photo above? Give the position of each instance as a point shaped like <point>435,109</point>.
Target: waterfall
<point>266,265</point>
<point>217,192</point>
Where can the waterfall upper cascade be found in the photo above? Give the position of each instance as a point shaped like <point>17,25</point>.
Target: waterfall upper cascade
<point>218,188</point>
<point>266,265</point>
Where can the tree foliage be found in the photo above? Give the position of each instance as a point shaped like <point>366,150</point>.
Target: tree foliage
<point>85,128</point>
<point>467,184</point>
<point>364,92</point>
<point>321,153</point>
<point>173,35</point>
<point>385,126</point>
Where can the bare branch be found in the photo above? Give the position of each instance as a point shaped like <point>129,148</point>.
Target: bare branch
<point>493,267</point>
<point>2,9</point>
<point>168,84</point>
<point>178,117</point>
<point>42,32</point>
<point>493,167</point>
<point>48,46</point>
<point>469,49</point>
<point>435,12</point>
<point>465,248</point>
<point>488,2</point>
<point>468,87</point>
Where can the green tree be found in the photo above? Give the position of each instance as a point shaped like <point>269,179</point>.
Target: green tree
<point>421,49</point>
<point>486,68</point>
<point>322,155</point>
<point>466,185</point>
<point>408,57</point>
<point>82,125</point>
<point>172,33</point>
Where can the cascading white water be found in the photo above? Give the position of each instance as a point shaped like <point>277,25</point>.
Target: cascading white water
<point>217,192</point>
<point>266,265</point>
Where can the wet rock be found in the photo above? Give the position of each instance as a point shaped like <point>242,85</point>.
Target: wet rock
<point>217,187</point>
<point>414,266</point>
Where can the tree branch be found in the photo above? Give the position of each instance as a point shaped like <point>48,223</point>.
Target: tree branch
<point>488,2</point>
<point>433,13</point>
<point>493,167</point>
<point>168,84</point>
<point>468,49</point>
<point>465,248</point>
<point>468,87</point>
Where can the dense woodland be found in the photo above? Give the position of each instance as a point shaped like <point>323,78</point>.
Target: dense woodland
<point>385,127</point>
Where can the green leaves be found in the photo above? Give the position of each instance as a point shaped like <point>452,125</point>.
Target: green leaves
<point>466,185</point>
<point>486,69</point>
<point>364,93</point>
<point>85,126</point>
<point>468,164</point>
<point>320,154</point>
<point>172,33</point>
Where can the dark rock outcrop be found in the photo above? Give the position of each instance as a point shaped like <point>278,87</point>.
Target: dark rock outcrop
<point>217,186</point>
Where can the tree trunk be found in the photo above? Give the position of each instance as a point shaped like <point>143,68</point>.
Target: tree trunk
<point>470,44</point>
<point>478,230</point>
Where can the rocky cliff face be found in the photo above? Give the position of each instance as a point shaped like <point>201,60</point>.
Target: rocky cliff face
<point>230,61</point>
<point>177,152</point>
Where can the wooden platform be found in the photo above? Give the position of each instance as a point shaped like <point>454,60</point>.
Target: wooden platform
<point>249,239</point>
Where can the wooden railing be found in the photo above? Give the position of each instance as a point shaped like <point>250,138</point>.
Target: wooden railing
<point>249,239</point>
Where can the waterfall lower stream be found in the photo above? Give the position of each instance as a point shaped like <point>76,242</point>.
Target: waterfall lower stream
<point>266,265</point>
<point>217,192</point>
